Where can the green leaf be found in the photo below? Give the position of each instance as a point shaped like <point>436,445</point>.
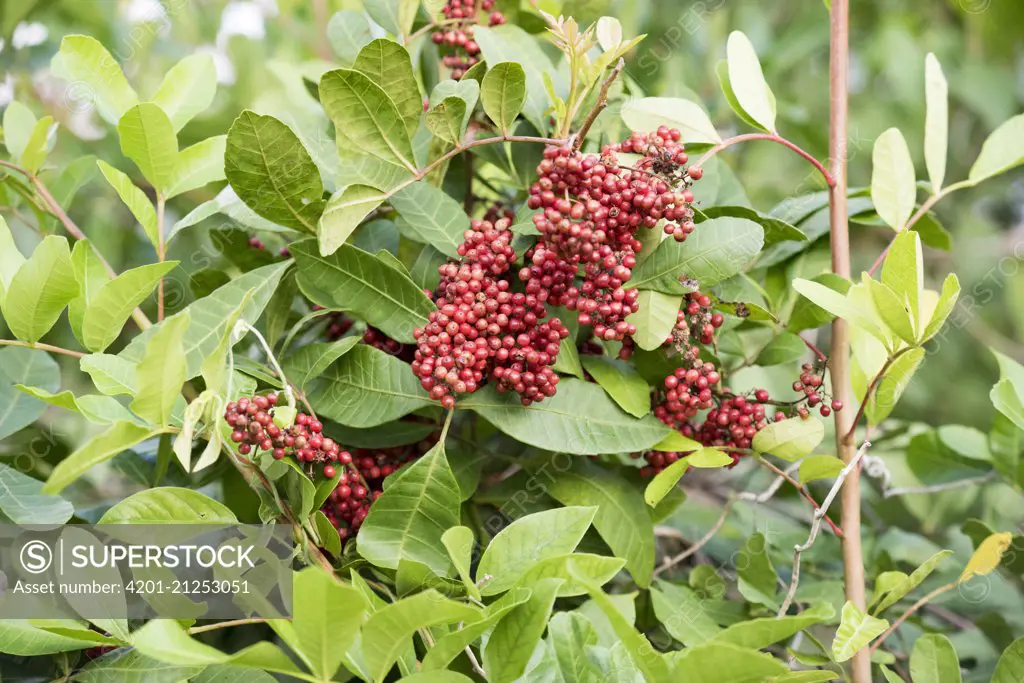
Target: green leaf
<point>1010,667</point>
<point>111,375</point>
<point>570,635</point>
<point>119,437</point>
<point>936,121</point>
<point>128,666</point>
<point>893,183</point>
<point>148,138</point>
<point>113,304</point>
<point>102,410</point>
<point>416,508</point>
<point>503,92</point>
<point>368,387</point>
<point>11,259</point>
<point>903,272</point>
<point>647,114</point>
<point>665,482</point>
<point>807,315</point>
<point>388,629</point>
<point>816,467</point>
<point>943,307</point>
<point>579,419</point>
<point>622,519</point>
<point>94,75</point>
<point>622,382</point>
<point>39,144</point>
<point>747,81</point>
<point>168,505</point>
<point>198,165</point>
<point>855,631</point>
<point>894,313</point>
<point>652,663</point>
<point>395,16</point>
<point>934,659</point>
<point>369,118</point>
<point>166,640</point>
<point>134,198</point>
<point>529,540</point>
<point>162,371</point>
<point>39,291</point>
<point>91,275</point>
<point>1002,151</point>
<point>720,249</point>
<point>29,367</point>
<point>655,318</point>
<point>775,230</point>
<point>209,316</point>
<point>595,569</point>
<point>352,280</point>
<point>892,385</point>
<point>312,360</point>
<point>901,584</point>
<point>348,31</point>
<point>841,305</point>
<point>328,615</point>
<point>18,124</point>
<point>790,439</point>
<point>344,212</point>
<point>686,616</point>
<point>758,581</point>
<point>785,348</point>
<point>713,662</point>
<point>187,89</point>
<point>388,63</point>
<point>467,90</point>
<point>510,43</point>
<point>452,645</point>
<point>24,502</point>
<point>460,543</point>
<point>445,119</point>
<point>514,639</point>
<point>431,216</point>
<point>758,634</point>
<point>722,71</point>
<point>272,172</point>
<point>18,637</point>
<point>709,458</point>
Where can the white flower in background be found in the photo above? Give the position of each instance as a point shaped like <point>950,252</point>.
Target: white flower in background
<point>221,62</point>
<point>6,90</point>
<point>143,11</point>
<point>29,35</point>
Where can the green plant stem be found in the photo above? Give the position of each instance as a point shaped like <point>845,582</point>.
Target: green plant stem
<point>72,228</point>
<point>876,380</point>
<point>802,490</point>
<point>599,106</point>
<point>829,177</point>
<point>911,610</point>
<point>41,347</point>
<point>226,624</point>
<point>161,252</point>
<point>670,562</point>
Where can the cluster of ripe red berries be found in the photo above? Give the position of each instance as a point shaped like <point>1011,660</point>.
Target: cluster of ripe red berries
<point>462,16</point>
<point>695,320</point>
<point>591,208</point>
<point>253,428</point>
<point>362,483</point>
<point>482,330</point>
<point>809,385</point>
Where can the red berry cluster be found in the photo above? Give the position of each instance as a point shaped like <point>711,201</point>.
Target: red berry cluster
<point>383,342</point>
<point>591,210</point>
<point>338,324</point>
<point>458,34</point>
<point>253,426</point>
<point>357,488</point>
<point>810,385</point>
<point>481,329</point>
<point>695,321</point>
<point>732,424</point>
<point>687,392</point>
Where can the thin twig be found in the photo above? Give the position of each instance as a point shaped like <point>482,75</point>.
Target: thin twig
<point>475,663</point>
<point>911,610</point>
<point>670,562</point>
<point>938,488</point>
<point>599,106</point>
<point>802,490</point>
<point>41,347</point>
<point>729,142</point>
<point>816,525</point>
<point>870,390</point>
<point>72,228</point>
<point>289,395</point>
